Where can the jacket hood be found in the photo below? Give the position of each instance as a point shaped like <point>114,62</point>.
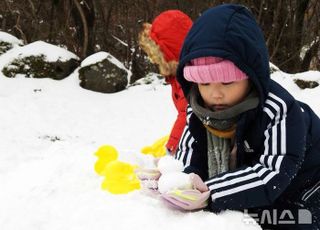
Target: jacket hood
<point>228,31</point>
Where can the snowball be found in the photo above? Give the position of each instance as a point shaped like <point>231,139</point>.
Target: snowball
<point>174,180</point>
<point>168,164</point>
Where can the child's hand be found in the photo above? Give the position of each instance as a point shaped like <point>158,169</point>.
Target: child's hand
<point>189,199</point>
<point>148,178</point>
<point>198,183</point>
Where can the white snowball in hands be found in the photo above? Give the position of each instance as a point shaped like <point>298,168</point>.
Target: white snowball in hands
<point>172,176</point>
<point>168,164</point>
<point>174,180</point>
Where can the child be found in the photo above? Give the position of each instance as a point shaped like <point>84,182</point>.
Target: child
<point>162,41</point>
<point>249,142</point>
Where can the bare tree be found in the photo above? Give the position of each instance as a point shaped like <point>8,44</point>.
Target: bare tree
<point>291,27</point>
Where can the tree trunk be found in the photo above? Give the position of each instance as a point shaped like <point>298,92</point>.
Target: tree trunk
<point>85,28</point>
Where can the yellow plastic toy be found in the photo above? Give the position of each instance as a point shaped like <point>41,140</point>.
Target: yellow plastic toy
<point>119,177</point>
<point>105,154</point>
<point>157,149</point>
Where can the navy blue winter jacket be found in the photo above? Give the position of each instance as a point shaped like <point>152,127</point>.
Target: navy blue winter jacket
<point>278,143</point>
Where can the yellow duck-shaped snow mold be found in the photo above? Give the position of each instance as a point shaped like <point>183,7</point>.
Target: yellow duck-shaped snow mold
<point>157,149</point>
<point>119,177</point>
<point>105,154</point>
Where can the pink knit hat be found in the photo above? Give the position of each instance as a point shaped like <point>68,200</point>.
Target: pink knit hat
<point>212,69</point>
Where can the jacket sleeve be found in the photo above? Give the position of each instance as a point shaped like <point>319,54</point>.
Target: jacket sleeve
<point>190,152</point>
<point>176,131</point>
<point>181,105</point>
<point>280,160</point>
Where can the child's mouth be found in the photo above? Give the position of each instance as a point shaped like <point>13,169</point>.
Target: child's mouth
<point>218,107</point>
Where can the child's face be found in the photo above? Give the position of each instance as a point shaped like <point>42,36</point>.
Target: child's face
<point>220,96</point>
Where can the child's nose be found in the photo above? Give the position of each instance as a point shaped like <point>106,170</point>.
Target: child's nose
<point>216,92</point>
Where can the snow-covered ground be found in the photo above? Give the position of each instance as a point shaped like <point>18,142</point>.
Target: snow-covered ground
<point>49,133</point>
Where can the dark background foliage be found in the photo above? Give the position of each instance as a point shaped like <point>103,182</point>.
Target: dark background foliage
<point>291,27</point>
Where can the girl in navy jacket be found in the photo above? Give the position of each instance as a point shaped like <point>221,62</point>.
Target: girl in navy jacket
<point>254,146</point>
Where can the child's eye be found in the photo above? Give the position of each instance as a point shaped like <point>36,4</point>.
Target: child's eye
<point>204,84</point>
<point>228,83</point>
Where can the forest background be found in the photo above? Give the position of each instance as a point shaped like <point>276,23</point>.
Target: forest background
<point>291,27</point>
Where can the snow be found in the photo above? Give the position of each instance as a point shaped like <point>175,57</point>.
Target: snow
<point>309,96</point>
<point>168,164</point>
<point>5,37</point>
<point>100,56</point>
<point>174,180</point>
<point>50,52</point>
<point>95,58</point>
<point>172,176</point>
<point>49,133</point>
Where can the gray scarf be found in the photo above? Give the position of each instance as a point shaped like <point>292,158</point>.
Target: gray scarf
<point>224,119</point>
<point>218,154</point>
<point>219,148</point>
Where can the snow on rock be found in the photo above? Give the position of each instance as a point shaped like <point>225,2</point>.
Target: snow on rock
<point>308,76</point>
<point>150,79</point>
<point>308,96</point>
<point>273,67</point>
<point>5,37</point>
<point>100,56</point>
<point>51,53</point>
<point>174,180</point>
<point>168,164</point>
<point>97,57</point>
